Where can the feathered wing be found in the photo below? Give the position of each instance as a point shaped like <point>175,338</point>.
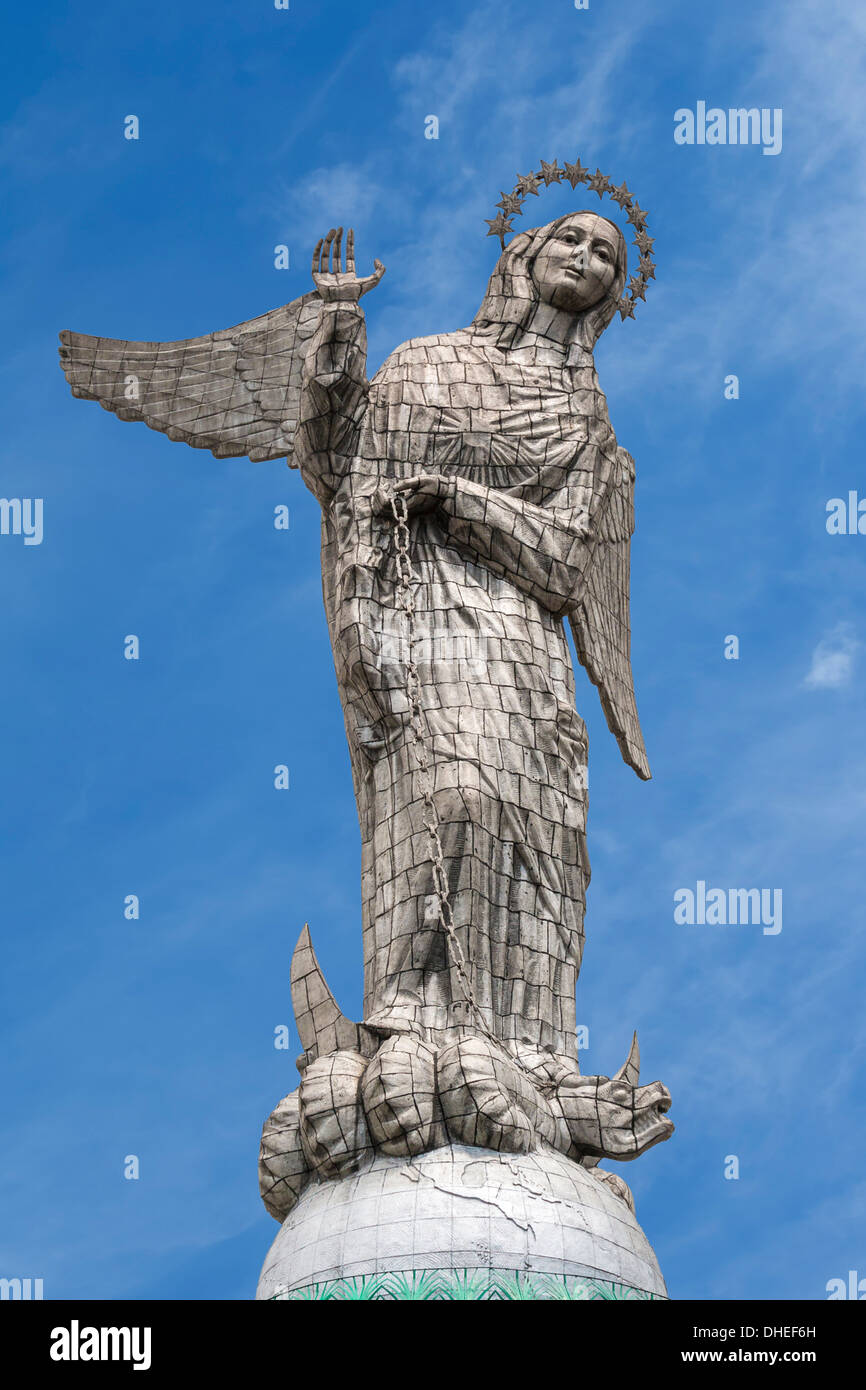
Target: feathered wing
<point>600,622</point>
<point>235,392</point>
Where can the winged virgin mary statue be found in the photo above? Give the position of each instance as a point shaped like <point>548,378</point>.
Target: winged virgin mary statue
<point>473,498</point>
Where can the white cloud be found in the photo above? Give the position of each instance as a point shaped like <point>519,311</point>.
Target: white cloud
<point>833,660</point>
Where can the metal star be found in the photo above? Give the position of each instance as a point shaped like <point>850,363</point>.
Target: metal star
<point>637,287</point>
<point>575,173</point>
<point>644,243</point>
<point>621,195</point>
<point>527,183</point>
<point>499,225</point>
<point>598,182</point>
<point>646,268</point>
<point>638,214</point>
<point>511,204</point>
<point>551,173</point>
<point>626,309</point>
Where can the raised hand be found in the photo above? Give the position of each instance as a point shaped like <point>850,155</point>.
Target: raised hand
<point>329,277</point>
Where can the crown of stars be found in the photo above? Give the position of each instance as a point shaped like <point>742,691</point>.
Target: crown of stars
<point>511,205</point>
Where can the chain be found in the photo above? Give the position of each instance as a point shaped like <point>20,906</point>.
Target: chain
<point>406,597</point>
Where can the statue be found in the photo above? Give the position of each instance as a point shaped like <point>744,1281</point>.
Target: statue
<point>473,497</point>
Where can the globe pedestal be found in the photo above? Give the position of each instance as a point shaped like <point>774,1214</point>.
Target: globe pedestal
<point>462,1223</point>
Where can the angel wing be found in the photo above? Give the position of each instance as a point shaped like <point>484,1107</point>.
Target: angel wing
<point>600,623</point>
<point>235,392</point>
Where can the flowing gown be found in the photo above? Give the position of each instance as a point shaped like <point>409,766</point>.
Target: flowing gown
<point>496,568</point>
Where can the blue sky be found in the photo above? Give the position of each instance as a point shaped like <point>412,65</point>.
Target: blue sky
<point>259,127</point>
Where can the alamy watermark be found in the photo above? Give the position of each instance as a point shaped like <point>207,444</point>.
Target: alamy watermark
<point>21,1289</point>
<point>735,126</point>
<point>77,1343</point>
<point>851,1288</point>
<point>460,655</point>
<point>22,516</point>
<point>729,907</point>
<point>846,516</point>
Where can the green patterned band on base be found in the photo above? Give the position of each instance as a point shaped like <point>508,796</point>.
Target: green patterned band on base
<point>452,1284</point>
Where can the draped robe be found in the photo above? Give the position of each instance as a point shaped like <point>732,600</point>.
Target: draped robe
<point>497,566</point>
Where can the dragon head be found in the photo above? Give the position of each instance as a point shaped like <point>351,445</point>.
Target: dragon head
<point>614,1117</point>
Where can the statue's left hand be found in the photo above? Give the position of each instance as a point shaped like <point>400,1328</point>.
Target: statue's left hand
<point>422,494</point>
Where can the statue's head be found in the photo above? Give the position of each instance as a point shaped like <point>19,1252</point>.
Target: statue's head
<point>577,264</point>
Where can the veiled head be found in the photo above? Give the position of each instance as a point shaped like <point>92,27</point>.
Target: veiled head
<point>577,264</point>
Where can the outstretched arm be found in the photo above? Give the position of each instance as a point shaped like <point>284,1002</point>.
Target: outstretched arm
<point>335,386</point>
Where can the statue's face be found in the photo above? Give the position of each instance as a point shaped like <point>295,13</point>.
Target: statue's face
<point>576,266</point>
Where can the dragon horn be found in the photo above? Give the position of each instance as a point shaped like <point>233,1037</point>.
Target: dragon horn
<point>630,1069</point>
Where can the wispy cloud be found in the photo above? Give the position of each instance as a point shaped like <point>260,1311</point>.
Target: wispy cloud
<point>833,659</point>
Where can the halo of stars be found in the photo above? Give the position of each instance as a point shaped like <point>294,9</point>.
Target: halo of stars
<point>511,205</point>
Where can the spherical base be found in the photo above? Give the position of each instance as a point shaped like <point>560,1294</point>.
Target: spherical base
<point>460,1223</point>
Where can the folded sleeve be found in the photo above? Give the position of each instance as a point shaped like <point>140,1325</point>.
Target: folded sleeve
<point>334,395</point>
<point>545,551</point>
